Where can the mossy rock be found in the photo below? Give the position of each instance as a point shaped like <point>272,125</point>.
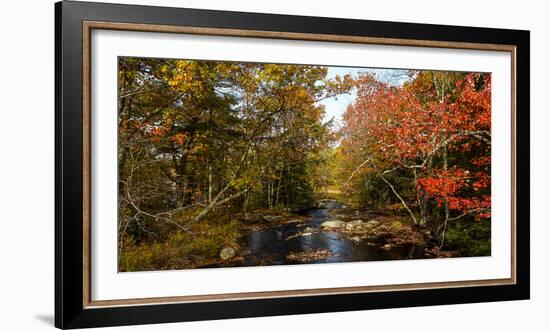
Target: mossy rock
<point>228,253</point>
<point>396,225</point>
<point>355,225</point>
<point>333,224</point>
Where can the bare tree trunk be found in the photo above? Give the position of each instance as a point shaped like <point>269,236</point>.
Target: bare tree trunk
<point>219,195</point>
<point>415,221</point>
<point>421,204</point>
<point>279,186</point>
<point>209,184</point>
<point>268,195</point>
<point>183,193</point>
<point>216,201</point>
<point>245,203</point>
<point>291,186</point>
<point>272,194</point>
<point>446,202</point>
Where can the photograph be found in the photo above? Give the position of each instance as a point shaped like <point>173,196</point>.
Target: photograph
<point>232,164</point>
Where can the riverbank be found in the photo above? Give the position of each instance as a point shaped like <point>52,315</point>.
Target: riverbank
<point>330,232</point>
<point>333,232</point>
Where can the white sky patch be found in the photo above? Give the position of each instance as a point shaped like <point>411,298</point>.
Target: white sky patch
<point>336,106</point>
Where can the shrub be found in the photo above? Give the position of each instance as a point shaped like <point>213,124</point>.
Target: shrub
<point>473,238</point>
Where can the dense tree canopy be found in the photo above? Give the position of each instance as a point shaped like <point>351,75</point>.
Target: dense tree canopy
<point>427,141</point>
<point>205,144</point>
<point>197,135</point>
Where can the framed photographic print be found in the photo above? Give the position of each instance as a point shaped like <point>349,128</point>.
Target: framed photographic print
<point>214,164</point>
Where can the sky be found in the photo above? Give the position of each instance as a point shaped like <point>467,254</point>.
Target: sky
<point>335,107</point>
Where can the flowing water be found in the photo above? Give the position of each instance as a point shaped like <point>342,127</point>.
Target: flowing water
<point>271,246</point>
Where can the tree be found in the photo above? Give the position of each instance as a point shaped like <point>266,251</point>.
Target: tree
<point>431,137</point>
<point>195,136</point>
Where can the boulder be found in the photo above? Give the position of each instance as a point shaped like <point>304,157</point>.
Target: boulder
<point>356,239</point>
<point>273,218</point>
<point>355,225</point>
<point>333,224</point>
<point>308,230</point>
<point>252,217</point>
<point>228,253</point>
<point>371,223</point>
<point>388,246</point>
<point>396,225</point>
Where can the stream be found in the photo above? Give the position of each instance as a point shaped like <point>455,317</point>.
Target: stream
<point>271,246</point>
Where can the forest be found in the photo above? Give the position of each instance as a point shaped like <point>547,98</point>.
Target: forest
<point>239,164</point>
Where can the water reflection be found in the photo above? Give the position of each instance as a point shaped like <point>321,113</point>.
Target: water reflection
<point>271,246</point>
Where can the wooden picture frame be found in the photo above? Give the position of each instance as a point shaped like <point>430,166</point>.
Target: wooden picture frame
<point>74,306</point>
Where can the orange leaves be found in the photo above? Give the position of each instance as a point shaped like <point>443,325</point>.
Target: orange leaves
<point>433,119</point>
<point>391,116</point>
<point>179,138</point>
<point>156,134</point>
<point>158,131</point>
<point>405,125</point>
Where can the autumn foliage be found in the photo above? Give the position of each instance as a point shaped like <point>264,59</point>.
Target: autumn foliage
<point>204,142</point>
<point>203,145</point>
<point>428,141</point>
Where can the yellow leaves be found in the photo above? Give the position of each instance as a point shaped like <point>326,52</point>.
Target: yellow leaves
<point>180,74</point>
<point>239,183</point>
<point>197,148</point>
<point>173,82</point>
<point>180,79</point>
<point>179,138</point>
<point>302,93</point>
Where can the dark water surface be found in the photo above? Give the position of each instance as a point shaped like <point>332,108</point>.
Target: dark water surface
<point>271,246</point>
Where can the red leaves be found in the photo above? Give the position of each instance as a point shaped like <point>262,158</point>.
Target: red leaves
<point>444,183</point>
<point>451,186</point>
<point>411,126</point>
<point>406,128</point>
<point>157,132</point>
<point>473,104</point>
